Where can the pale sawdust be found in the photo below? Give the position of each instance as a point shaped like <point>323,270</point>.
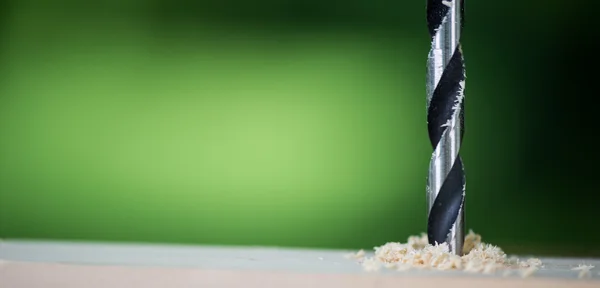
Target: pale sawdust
<point>584,270</point>
<point>417,253</point>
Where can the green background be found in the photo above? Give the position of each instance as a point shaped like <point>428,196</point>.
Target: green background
<point>286,123</point>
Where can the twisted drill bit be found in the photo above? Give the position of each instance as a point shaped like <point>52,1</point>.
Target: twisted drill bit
<point>445,106</point>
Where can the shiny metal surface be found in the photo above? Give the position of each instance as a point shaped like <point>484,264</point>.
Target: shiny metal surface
<point>442,48</point>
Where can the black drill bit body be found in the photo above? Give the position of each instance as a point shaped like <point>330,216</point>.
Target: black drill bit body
<point>445,122</point>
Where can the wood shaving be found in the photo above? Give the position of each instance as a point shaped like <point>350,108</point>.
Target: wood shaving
<point>370,265</point>
<point>418,242</point>
<point>471,240</point>
<point>583,267</point>
<point>478,257</point>
<point>513,261</point>
<point>584,274</point>
<point>474,266</point>
<point>528,271</point>
<point>531,262</point>
<point>358,255</point>
<point>491,268</point>
<point>584,270</point>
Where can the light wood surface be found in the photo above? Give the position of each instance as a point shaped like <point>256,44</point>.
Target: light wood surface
<point>66,265</point>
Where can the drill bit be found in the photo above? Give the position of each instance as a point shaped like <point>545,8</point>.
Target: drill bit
<point>445,122</point>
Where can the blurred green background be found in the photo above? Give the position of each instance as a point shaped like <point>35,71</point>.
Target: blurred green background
<point>287,123</point>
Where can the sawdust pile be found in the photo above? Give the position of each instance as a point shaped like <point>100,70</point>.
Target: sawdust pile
<point>417,253</point>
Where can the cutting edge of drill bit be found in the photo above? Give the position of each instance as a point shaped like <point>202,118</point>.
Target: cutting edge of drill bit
<point>445,117</point>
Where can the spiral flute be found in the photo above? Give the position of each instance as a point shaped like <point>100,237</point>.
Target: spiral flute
<point>445,122</point>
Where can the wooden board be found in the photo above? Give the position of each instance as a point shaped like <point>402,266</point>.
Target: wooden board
<point>66,265</point>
